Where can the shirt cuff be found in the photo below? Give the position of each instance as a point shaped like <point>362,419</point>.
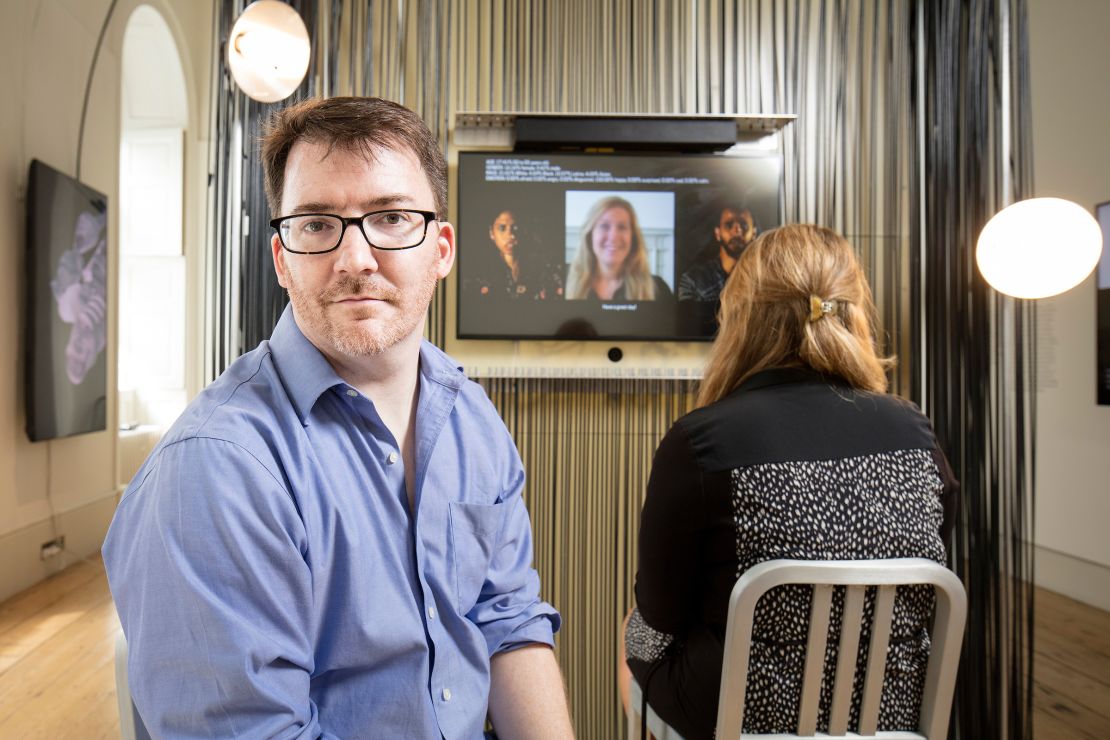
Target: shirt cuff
<point>540,629</point>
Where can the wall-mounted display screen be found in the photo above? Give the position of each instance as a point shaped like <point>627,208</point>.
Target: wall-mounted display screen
<point>67,305</point>
<point>604,246</point>
<point>1103,214</point>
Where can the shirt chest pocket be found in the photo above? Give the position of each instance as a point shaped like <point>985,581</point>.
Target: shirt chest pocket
<point>475,529</point>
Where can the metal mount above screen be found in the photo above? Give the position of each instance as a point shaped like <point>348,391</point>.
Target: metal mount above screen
<point>519,131</point>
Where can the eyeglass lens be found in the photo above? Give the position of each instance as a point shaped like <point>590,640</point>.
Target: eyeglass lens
<point>386,230</point>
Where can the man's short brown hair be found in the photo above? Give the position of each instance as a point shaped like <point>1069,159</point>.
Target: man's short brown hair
<point>361,125</point>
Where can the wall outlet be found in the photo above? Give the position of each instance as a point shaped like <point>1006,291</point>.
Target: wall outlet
<point>52,548</point>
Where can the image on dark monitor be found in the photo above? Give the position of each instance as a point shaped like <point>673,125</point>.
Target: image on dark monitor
<point>67,306</point>
<point>604,246</point>
<point>1102,211</point>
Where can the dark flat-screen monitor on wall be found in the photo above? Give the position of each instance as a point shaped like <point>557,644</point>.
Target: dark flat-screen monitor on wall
<point>604,246</point>
<point>1103,214</point>
<point>67,306</point>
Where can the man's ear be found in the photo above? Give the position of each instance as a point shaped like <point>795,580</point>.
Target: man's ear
<point>445,246</point>
<point>279,259</point>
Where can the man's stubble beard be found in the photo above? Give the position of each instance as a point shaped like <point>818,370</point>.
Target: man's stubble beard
<point>735,246</point>
<point>359,340</point>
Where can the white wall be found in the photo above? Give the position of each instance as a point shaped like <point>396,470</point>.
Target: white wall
<point>1070,70</point>
<point>46,47</point>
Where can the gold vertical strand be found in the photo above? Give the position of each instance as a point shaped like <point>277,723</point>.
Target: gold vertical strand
<point>713,58</point>
<point>359,55</point>
<point>663,100</point>
<point>500,51</point>
<point>731,59</point>
<point>574,51</point>
<point>473,81</point>
<point>694,61</point>
<point>409,54</point>
<point>454,52</point>
<point>636,36</point>
<point>343,51</point>
<point>528,52</point>
<point>323,51</point>
<point>622,46</point>
<point>483,69</point>
<point>377,52</point>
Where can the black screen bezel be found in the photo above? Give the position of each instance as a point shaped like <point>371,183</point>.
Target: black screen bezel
<point>473,210</point>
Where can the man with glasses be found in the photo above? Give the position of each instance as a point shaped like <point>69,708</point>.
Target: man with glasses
<point>331,541</point>
<point>734,231</point>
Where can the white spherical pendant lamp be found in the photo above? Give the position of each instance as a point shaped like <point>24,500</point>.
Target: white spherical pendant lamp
<point>1039,247</point>
<point>268,51</point>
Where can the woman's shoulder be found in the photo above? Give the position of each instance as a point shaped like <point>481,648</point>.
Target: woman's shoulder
<point>662,290</point>
<point>815,419</point>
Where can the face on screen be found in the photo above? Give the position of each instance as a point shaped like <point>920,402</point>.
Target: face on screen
<point>503,233</point>
<point>611,239</point>
<point>736,230</point>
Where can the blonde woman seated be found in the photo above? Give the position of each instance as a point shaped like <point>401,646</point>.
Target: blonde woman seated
<point>611,263</point>
<point>795,451</point>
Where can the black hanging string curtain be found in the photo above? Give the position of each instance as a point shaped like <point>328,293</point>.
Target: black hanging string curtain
<point>979,349</point>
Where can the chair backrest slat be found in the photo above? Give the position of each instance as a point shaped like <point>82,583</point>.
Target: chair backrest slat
<point>819,610</point>
<point>886,575</point>
<point>851,626</point>
<point>876,661</point>
<point>944,655</point>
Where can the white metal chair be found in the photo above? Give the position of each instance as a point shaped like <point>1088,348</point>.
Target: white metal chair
<point>131,725</point>
<point>856,575</point>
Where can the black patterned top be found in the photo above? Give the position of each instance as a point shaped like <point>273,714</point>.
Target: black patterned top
<point>791,465</point>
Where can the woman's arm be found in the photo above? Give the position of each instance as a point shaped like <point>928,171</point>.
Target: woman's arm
<point>949,495</point>
<point>671,532</point>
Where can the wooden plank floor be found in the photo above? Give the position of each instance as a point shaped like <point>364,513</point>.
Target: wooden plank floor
<point>57,650</point>
<point>1071,669</point>
<point>57,643</point>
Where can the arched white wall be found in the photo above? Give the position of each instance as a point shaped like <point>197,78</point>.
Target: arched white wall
<point>154,93</point>
<point>46,48</point>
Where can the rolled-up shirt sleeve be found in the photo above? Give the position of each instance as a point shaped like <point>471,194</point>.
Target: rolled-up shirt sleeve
<point>509,611</point>
<point>206,561</point>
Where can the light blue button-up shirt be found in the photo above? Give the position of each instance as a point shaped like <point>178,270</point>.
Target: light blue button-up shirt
<point>272,583</point>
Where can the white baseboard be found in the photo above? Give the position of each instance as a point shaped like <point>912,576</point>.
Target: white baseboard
<point>84,528</point>
<point>1082,580</point>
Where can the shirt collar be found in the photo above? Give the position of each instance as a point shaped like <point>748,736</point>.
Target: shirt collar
<point>437,367</point>
<point>306,373</point>
<point>304,370</point>
<point>783,375</point>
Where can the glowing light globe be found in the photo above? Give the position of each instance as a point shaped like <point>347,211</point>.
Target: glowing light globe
<point>1039,247</point>
<point>268,51</point>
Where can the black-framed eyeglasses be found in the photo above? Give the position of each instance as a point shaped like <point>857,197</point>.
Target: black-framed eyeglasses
<point>317,233</point>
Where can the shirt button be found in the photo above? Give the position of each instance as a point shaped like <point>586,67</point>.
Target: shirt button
<point>431,612</point>
<point>447,694</point>
<point>352,392</point>
<point>391,458</point>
